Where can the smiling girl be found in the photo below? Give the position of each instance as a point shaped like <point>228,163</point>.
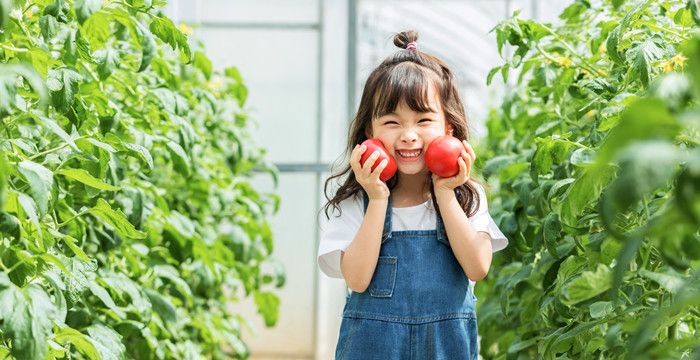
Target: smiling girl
<point>411,248</point>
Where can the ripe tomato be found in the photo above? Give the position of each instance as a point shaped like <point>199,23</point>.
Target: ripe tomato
<point>442,155</point>
<point>376,144</point>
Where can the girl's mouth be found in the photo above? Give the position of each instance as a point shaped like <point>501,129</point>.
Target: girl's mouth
<point>409,155</point>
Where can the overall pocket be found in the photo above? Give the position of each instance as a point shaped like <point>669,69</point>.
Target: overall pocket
<point>384,277</point>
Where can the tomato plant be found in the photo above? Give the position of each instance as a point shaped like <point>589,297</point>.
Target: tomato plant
<point>128,224</point>
<point>594,161</point>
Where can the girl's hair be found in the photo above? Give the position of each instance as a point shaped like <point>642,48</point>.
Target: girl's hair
<point>406,75</point>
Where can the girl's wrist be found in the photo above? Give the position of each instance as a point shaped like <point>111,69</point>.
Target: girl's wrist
<point>444,195</point>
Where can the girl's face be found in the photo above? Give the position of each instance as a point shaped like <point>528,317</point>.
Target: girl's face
<point>406,134</point>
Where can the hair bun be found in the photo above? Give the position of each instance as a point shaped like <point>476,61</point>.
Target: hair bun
<point>403,38</point>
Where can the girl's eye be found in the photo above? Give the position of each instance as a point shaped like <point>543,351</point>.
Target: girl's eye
<point>425,120</point>
<point>390,122</point>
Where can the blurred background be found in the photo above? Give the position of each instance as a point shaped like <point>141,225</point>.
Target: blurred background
<point>305,62</point>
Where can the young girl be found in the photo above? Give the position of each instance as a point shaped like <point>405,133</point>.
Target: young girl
<point>411,248</point>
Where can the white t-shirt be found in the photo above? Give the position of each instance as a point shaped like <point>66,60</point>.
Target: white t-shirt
<point>338,232</point>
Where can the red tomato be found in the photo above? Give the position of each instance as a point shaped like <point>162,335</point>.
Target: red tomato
<point>376,144</point>
<point>442,155</point>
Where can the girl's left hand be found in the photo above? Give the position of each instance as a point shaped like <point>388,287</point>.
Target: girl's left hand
<point>465,161</point>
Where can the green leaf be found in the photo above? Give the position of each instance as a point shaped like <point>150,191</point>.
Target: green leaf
<point>68,79</point>
<point>601,309</point>
<point>238,88</point>
<point>181,160</point>
<point>107,60</point>
<point>4,13</point>
<point>116,219</point>
<point>644,119</point>
<point>8,79</point>
<point>27,318</point>
<point>71,243</point>
<point>694,6</point>
<point>85,8</point>
<point>549,151</point>
<point>641,57</point>
<point>692,50</point>
<point>10,226</point>
<point>82,343</point>
<point>162,305</point>
<point>107,342</point>
<point>29,207</point>
<point>616,34</point>
<point>40,180</point>
<point>583,191</point>
<point>148,48</point>
<point>165,30</point>
<point>87,179</point>
<point>102,294</point>
<point>268,306</point>
<point>202,63</point>
<point>56,129</point>
<point>49,27</point>
<point>551,232</point>
<point>586,286</point>
<point>638,176</point>
<point>4,171</point>
<point>669,280</point>
<point>170,273</point>
<point>141,152</point>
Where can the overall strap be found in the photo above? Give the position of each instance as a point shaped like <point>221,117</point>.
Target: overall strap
<point>440,227</point>
<point>386,233</point>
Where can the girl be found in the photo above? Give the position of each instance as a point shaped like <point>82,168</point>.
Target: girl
<point>411,248</point>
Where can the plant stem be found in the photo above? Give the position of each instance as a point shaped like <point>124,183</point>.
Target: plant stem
<point>73,217</point>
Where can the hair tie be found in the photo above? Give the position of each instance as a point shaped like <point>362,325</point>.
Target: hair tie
<point>411,46</point>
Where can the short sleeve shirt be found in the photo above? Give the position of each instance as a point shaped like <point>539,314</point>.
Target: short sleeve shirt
<point>339,231</point>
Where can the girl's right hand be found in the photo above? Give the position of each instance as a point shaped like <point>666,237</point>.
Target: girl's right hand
<point>368,179</point>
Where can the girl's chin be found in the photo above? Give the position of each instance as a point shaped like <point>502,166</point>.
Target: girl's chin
<point>412,170</point>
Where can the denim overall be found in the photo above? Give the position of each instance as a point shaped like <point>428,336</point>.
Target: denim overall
<point>419,304</point>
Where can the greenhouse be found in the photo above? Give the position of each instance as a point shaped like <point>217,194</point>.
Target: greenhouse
<point>349,179</point>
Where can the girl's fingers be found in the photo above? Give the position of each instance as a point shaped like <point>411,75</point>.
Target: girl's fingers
<point>369,163</point>
<point>469,149</point>
<point>378,170</point>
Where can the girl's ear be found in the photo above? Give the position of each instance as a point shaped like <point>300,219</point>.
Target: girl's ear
<point>448,127</point>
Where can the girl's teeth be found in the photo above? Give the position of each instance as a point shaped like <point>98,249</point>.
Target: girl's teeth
<point>409,153</point>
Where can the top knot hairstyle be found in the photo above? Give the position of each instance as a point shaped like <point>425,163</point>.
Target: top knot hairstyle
<point>405,75</point>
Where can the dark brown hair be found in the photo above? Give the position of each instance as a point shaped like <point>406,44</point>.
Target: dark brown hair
<point>406,75</point>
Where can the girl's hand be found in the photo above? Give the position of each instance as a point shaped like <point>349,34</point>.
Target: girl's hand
<point>465,161</point>
<point>368,179</point>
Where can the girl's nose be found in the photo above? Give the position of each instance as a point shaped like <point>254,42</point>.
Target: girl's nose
<point>409,136</point>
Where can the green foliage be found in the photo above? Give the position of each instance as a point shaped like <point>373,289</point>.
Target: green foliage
<point>604,261</point>
<point>128,224</point>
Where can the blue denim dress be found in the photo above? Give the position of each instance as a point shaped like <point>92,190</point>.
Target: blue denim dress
<point>419,304</point>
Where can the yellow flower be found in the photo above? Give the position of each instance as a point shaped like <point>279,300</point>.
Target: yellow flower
<point>667,66</point>
<point>564,61</point>
<point>603,48</point>
<point>679,60</point>
<point>215,83</point>
<point>29,14</point>
<point>186,29</point>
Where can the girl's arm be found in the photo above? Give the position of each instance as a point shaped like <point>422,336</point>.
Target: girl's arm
<point>358,261</point>
<point>471,248</point>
